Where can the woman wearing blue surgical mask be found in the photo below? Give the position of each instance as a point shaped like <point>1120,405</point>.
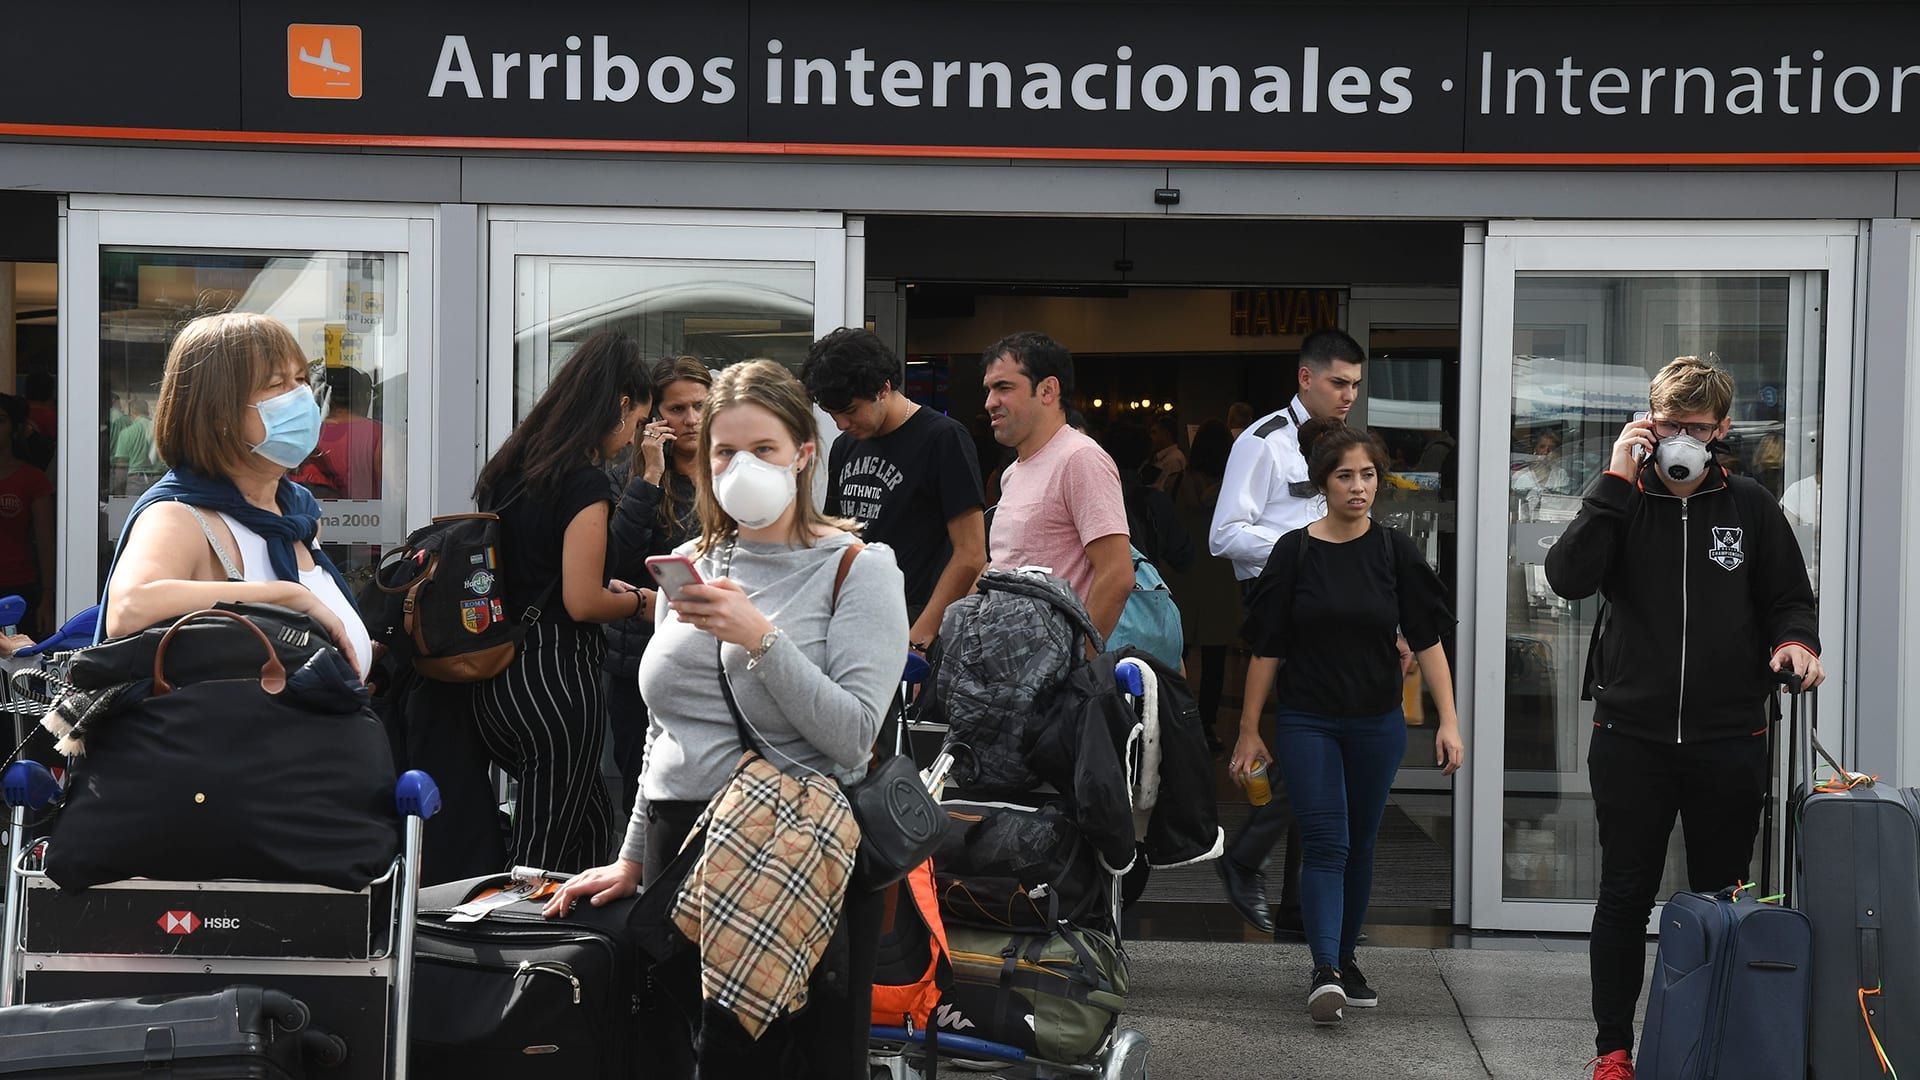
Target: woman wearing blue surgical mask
<point>572,542</point>
<point>812,633</point>
<point>236,412</point>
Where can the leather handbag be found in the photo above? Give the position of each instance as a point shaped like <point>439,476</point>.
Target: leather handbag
<point>901,824</point>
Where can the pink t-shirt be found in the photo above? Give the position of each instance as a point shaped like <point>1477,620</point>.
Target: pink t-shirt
<point>1054,504</point>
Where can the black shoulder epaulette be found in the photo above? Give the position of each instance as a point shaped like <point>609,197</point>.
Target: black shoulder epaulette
<point>1278,423</point>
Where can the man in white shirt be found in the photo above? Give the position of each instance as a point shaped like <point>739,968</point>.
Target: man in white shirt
<point>1264,495</point>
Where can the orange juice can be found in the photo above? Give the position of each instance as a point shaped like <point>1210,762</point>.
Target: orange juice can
<point>1259,792</point>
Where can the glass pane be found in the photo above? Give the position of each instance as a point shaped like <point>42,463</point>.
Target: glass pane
<point>721,312</point>
<point>345,309</point>
<point>1413,405</point>
<point>1585,348</point>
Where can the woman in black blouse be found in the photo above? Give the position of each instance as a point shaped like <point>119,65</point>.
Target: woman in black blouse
<point>1328,604</point>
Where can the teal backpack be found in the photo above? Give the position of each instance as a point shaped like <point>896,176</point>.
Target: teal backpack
<point>1150,621</point>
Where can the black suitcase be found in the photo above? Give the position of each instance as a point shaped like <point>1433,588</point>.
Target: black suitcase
<point>539,998</point>
<point>242,1031</point>
<point>1856,862</point>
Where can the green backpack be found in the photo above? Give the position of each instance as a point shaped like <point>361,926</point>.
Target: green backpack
<point>1054,995</point>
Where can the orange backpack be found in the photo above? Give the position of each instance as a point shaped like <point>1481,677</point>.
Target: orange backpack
<point>913,968</point>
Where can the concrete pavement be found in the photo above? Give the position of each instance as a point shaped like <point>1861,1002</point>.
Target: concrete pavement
<point>1510,1008</point>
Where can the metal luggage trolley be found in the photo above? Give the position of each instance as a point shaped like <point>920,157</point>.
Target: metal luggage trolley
<point>347,954</point>
<point>895,1051</point>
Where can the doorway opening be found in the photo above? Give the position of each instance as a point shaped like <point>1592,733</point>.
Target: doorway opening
<point>1192,330</point>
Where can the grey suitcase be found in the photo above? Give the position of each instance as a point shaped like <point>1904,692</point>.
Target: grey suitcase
<point>239,1032</point>
<point>1856,874</point>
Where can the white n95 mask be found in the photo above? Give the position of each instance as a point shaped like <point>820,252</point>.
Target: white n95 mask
<point>1680,458</point>
<point>754,492</point>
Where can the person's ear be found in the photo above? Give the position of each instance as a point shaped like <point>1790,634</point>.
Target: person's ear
<point>1040,391</point>
<point>1726,425</point>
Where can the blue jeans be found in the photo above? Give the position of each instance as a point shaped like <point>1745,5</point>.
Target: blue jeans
<point>1338,771</point>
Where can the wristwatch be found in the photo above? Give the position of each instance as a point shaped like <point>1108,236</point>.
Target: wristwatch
<point>754,656</point>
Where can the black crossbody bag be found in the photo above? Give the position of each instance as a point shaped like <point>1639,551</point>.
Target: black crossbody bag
<point>901,824</point>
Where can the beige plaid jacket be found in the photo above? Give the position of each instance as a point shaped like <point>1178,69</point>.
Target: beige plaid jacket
<point>765,895</point>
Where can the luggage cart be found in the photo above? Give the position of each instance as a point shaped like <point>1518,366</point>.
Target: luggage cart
<point>895,1052</point>
<point>347,954</point>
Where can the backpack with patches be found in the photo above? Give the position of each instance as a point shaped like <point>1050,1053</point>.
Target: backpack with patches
<point>439,601</point>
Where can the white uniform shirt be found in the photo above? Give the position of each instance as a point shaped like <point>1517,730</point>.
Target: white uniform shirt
<point>1265,493</point>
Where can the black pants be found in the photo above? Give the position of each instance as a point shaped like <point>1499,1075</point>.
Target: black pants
<point>1717,790</point>
<point>541,722</point>
<point>1213,677</point>
<point>627,729</point>
<point>826,1039</point>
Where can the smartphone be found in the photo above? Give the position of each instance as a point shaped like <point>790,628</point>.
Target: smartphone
<point>1640,452</point>
<point>673,573</point>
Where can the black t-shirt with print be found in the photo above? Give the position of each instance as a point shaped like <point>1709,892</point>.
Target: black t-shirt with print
<point>534,529</point>
<point>904,487</point>
<point>1332,612</point>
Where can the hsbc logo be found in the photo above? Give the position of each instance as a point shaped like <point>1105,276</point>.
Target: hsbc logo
<point>182,923</point>
<point>179,922</point>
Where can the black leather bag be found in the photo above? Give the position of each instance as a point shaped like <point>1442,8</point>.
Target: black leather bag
<point>249,753</point>
<point>901,824</point>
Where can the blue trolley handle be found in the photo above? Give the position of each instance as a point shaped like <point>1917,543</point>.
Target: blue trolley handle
<point>417,797</point>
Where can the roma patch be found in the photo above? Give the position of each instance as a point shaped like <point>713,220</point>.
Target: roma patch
<point>476,615</point>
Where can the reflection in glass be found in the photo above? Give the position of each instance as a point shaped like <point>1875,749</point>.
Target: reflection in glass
<point>343,308</point>
<point>1585,348</point>
<point>720,312</point>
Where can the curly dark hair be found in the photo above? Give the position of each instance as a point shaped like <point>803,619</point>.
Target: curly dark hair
<point>847,364</point>
<point>1326,441</point>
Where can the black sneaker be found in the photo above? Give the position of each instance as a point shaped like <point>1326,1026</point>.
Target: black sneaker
<point>1359,994</point>
<point>1327,997</point>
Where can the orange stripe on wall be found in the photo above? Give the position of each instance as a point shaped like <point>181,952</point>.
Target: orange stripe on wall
<point>1068,153</point>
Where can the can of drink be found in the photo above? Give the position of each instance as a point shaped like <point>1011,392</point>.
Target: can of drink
<point>1259,793</point>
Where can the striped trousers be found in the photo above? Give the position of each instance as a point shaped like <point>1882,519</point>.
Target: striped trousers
<point>540,721</point>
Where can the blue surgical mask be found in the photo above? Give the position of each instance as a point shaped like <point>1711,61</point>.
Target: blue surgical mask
<point>292,420</point>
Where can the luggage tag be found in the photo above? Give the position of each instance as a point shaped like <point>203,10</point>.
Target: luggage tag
<point>517,891</point>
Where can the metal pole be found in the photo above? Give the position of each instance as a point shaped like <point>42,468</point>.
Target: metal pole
<point>10,945</point>
<point>402,959</point>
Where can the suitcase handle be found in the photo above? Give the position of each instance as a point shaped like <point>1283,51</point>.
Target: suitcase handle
<point>273,674</point>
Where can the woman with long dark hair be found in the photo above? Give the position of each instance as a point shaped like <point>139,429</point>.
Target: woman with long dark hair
<point>540,719</point>
<point>671,455</point>
<point>1328,603</point>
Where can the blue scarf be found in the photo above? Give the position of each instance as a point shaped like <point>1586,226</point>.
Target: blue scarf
<point>297,523</point>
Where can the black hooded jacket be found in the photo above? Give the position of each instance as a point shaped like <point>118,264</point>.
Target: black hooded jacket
<point>1700,593</point>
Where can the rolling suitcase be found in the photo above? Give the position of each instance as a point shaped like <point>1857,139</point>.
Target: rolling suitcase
<point>561,998</point>
<point>1730,991</point>
<point>1856,873</point>
<point>242,1031</point>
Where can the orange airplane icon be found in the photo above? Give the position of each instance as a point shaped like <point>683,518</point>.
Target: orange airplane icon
<point>323,61</point>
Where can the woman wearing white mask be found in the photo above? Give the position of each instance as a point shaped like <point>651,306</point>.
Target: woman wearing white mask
<point>813,659</point>
<point>565,530</point>
<point>236,412</point>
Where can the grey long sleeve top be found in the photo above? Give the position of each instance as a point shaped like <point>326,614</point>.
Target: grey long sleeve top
<point>817,698</point>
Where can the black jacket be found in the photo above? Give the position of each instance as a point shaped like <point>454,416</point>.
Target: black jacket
<point>1700,593</point>
<point>638,523</point>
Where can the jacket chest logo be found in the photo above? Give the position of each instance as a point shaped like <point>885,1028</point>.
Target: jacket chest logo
<point>1726,547</point>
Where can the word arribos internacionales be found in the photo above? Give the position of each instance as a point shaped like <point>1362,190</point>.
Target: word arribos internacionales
<point>1786,85</point>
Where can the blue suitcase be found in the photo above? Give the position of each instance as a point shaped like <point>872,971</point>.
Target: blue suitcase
<point>1732,991</point>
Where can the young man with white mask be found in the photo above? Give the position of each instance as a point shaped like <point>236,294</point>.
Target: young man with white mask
<point>1705,599</point>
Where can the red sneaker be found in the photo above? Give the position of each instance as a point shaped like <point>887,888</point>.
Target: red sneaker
<point>1615,1066</point>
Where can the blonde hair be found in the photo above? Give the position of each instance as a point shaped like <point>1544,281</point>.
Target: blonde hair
<point>777,390</point>
<point>213,368</point>
<point>1692,384</point>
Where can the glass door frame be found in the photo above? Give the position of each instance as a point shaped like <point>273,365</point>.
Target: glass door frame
<point>90,223</point>
<point>829,242</point>
<point>1525,247</point>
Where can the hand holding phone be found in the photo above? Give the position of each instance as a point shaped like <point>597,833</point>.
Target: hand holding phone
<point>674,573</point>
<point>1634,446</point>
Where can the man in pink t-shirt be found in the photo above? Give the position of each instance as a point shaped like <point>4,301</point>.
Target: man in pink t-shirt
<point>1060,503</point>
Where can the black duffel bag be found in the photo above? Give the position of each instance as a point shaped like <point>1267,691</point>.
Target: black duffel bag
<point>235,742</point>
<point>1007,867</point>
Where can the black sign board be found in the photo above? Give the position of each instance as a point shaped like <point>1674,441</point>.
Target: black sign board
<point>1206,81</point>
